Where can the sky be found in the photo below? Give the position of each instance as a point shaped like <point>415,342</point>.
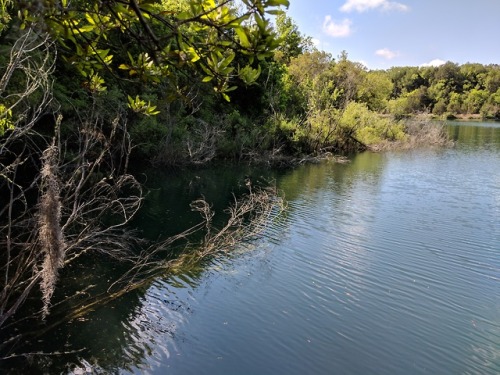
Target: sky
<point>385,33</point>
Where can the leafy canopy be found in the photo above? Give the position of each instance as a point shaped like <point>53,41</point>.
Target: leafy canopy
<point>149,40</point>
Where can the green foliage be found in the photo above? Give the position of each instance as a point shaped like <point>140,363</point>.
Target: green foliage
<point>158,37</point>
<point>148,136</point>
<point>415,101</point>
<point>309,83</point>
<point>473,76</point>
<point>492,79</point>
<point>398,107</point>
<point>349,76</point>
<point>238,135</point>
<point>491,109</point>
<point>289,131</point>
<point>375,90</point>
<point>440,107</point>
<point>406,79</point>
<point>182,61</point>
<point>474,100</point>
<point>448,88</point>
<point>5,17</point>
<point>323,129</point>
<point>6,122</point>
<point>370,128</point>
<point>455,103</point>
<point>304,68</point>
<point>292,42</point>
<point>141,106</point>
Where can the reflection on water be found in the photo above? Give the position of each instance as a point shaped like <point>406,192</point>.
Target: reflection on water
<point>387,264</point>
<point>484,134</point>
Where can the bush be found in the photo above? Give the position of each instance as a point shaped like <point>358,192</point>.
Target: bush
<point>440,107</point>
<point>147,136</point>
<point>398,107</point>
<point>370,128</point>
<point>290,131</point>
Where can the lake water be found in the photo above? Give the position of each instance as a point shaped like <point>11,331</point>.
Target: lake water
<point>388,264</point>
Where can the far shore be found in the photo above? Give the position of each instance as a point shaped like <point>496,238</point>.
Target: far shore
<point>466,117</point>
<point>454,116</point>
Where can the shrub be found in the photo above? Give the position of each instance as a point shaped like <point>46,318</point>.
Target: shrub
<point>369,127</point>
<point>147,136</point>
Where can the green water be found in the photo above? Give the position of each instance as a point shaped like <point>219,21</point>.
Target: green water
<point>388,264</point>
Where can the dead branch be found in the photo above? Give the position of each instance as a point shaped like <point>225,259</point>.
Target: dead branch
<point>84,200</point>
<point>202,143</point>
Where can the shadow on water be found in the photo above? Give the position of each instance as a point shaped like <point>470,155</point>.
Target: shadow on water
<point>120,335</point>
<point>117,336</point>
<point>169,194</point>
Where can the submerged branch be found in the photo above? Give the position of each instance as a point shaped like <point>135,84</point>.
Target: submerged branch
<point>248,217</point>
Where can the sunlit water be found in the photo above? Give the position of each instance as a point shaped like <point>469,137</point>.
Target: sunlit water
<point>389,264</point>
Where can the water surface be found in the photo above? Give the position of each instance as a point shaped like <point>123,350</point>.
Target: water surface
<point>388,264</point>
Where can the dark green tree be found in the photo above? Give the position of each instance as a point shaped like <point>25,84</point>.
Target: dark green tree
<point>292,42</point>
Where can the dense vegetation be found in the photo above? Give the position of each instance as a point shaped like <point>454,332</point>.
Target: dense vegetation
<point>192,92</point>
<point>83,85</point>
<point>297,100</point>
<point>88,88</point>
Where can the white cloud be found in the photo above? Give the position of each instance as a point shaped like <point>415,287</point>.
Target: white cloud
<point>363,5</point>
<point>435,62</point>
<point>386,53</point>
<point>316,42</point>
<point>337,29</point>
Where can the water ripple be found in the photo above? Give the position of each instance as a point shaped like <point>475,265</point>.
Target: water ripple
<point>386,267</point>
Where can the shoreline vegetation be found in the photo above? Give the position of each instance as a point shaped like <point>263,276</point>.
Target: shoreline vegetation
<point>91,91</point>
<point>420,131</point>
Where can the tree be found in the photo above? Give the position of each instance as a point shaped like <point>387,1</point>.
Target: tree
<point>156,39</point>
<point>375,90</point>
<point>406,79</point>
<point>474,100</point>
<point>348,77</point>
<point>455,104</point>
<point>491,108</point>
<point>297,79</point>
<point>292,42</point>
<point>473,76</point>
<point>492,80</point>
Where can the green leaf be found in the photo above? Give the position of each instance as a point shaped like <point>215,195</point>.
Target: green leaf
<point>226,61</point>
<point>261,23</point>
<point>90,19</point>
<point>242,35</point>
<point>131,58</point>
<point>274,12</point>
<point>276,3</point>
<point>102,53</point>
<point>85,29</point>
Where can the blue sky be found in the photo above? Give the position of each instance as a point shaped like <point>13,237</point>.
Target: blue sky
<point>385,33</point>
